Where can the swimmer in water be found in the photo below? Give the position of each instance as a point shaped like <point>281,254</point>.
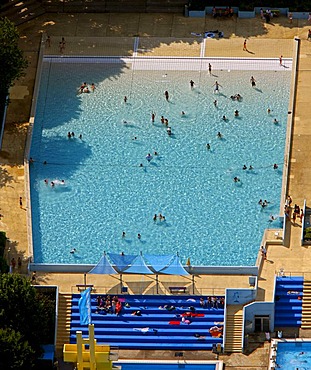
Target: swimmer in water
<point>268,110</point>
<point>183,113</point>
<point>216,87</point>
<point>219,135</point>
<point>73,251</point>
<point>148,157</point>
<point>236,179</point>
<point>215,103</point>
<point>152,116</point>
<point>236,113</point>
<point>162,119</point>
<point>82,87</point>
<point>251,167</point>
<point>58,182</point>
<point>275,121</point>
<point>208,146</point>
<point>166,95</point>
<point>275,166</point>
<point>125,99</point>
<point>224,118</point>
<point>46,181</point>
<point>244,167</point>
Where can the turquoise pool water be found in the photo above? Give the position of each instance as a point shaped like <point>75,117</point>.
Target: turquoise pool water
<point>209,218</point>
<point>294,355</point>
<point>150,366</point>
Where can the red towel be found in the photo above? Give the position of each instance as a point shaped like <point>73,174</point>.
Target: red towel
<point>174,322</point>
<point>118,307</point>
<point>192,314</point>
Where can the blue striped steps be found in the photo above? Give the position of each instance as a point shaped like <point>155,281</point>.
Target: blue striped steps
<point>288,301</point>
<point>124,331</point>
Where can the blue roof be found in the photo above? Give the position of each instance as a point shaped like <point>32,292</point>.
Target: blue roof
<point>138,266</point>
<point>159,262</point>
<point>122,261</point>
<point>103,267</point>
<point>174,268</point>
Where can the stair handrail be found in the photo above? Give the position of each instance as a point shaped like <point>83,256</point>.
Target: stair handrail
<point>285,273</point>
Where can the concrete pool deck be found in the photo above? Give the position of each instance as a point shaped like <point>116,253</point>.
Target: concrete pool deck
<point>271,41</point>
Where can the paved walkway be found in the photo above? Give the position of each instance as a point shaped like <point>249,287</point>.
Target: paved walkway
<point>265,40</point>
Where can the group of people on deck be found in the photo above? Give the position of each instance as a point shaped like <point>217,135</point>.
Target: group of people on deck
<point>212,302</point>
<point>109,305</point>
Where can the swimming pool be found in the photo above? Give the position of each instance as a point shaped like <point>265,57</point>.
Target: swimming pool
<point>209,218</point>
<point>293,355</point>
<point>170,365</point>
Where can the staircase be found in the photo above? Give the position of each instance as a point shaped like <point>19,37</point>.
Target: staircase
<point>22,11</point>
<point>63,324</point>
<point>288,301</point>
<point>234,329</point>
<point>306,305</point>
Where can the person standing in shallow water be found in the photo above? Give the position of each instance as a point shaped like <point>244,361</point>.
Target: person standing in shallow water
<point>166,95</point>
<point>216,87</point>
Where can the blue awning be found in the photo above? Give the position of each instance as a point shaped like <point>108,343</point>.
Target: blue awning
<point>158,262</point>
<point>138,266</point>
<point>122,261</point>
<point>103,267</point>
<point>174,268</point>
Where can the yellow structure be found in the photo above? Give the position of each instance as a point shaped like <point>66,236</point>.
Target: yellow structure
<point>96,357</point>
